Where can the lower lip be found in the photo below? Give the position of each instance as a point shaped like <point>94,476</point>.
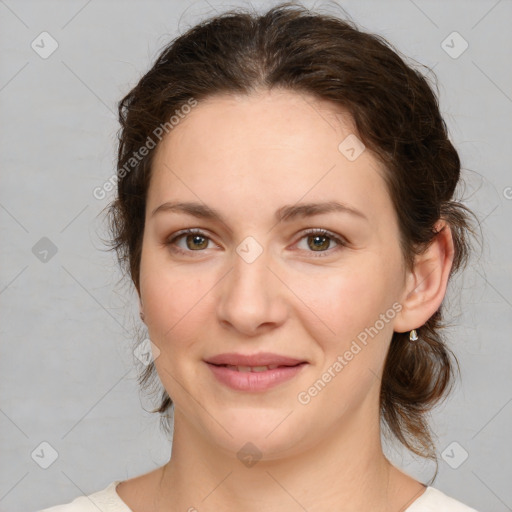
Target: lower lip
<point>255,381</point>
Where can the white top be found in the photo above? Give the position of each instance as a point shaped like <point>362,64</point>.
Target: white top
<point>107,500</point>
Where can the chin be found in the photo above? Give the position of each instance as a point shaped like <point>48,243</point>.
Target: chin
<point>266,434</point>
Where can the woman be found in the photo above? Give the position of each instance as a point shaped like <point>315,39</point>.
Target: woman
<point>285,210</point>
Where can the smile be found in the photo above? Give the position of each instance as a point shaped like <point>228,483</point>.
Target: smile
<point>251,368</point>
<point>254,378</point>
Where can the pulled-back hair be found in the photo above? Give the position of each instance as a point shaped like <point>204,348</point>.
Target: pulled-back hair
<point>396,115</point>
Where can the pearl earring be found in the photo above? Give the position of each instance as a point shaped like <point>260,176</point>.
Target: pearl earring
<point>413,335</point>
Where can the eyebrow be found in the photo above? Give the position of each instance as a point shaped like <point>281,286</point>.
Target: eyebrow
<point>285,213</point>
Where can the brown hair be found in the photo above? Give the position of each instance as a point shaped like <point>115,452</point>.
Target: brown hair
<point>397,116</point>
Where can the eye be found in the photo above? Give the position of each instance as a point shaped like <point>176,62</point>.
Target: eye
<point>319,240</point>
<point>195,241</point>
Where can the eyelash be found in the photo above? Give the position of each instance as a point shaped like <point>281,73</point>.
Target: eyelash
<point>312,231</point>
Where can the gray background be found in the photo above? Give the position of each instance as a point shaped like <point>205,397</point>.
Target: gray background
<point>68,375</point>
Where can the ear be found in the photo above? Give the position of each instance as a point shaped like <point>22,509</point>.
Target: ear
<point>426,284</point>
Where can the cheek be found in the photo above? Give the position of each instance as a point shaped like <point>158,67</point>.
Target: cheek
<point>175,308</point>
<point>345,301</point>
<point>177,302</point>
<point>172,304</point>
<point>350,305</point>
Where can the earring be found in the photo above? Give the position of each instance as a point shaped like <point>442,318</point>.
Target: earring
<point>413,335</point>
<point>142,315</point>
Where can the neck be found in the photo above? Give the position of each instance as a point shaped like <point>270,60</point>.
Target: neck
<point>346,470</point>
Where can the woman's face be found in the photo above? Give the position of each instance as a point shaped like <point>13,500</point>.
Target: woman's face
<point>253,281</point>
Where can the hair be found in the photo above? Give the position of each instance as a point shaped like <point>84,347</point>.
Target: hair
<point>396,115</point>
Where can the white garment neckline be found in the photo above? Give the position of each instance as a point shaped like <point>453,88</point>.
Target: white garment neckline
<point>123,507</point>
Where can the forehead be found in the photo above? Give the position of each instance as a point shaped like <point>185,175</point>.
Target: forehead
<point>277,146</point>
<point>264,119</point>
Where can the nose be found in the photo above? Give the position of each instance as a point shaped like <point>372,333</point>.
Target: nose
<point>252,297</point>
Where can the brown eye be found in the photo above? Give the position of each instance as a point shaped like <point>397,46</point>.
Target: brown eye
<point>320,241</point>
<point>195,241</point>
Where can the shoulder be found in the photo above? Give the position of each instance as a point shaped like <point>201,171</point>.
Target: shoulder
<point>106,500</point>
<point>434,500</point>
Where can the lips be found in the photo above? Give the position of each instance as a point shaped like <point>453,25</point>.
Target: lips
<point>257,372</point>
<point>254,360</point>
<point>251,368</point>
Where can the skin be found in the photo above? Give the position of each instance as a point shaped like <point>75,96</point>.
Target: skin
<point>247,156</point>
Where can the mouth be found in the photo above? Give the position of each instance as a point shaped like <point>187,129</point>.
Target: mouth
<point>258,372</point>
<point>256,369</point>
<point>260,360</point>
